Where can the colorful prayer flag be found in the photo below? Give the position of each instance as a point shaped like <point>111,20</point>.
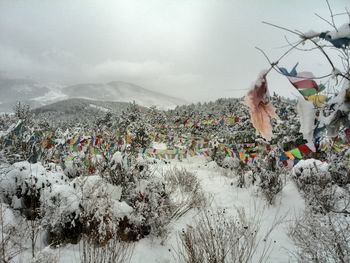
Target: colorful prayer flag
<point>304,149</point>
<point>303,81</point>
<point>296,153</point>
<point>289,155</point>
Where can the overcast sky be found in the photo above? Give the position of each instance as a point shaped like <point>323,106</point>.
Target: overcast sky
<point>192,49</point>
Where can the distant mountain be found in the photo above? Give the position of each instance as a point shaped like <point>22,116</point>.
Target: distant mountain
<point>122,91</point>
<point>37,94</point>
<point>27,91</point>
<point>20,89</point>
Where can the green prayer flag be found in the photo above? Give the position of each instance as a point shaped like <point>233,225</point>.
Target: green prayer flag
<point>296,153</point>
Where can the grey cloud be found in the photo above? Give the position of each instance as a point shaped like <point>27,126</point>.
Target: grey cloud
<point>199,49</point>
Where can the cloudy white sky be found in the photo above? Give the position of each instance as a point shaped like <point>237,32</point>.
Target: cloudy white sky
<point>192,49</point>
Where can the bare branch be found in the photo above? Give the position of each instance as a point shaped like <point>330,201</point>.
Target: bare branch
<point>347,11</point>
<point>263,52</point>
<point>341,14</point>
<point>274,64</point>
<point>280,27</point>
<point>305,49</point>
<point>325,20</point>
<point>332,16</point>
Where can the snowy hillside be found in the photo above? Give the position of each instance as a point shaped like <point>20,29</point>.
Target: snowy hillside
<point>78,110</point>
<point>183,185</point>
<point>123,92</point>
<point>28,91</point>
<point>37,94</point>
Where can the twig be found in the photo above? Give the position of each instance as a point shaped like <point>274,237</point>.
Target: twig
<point>325,20</point>
<point>341,14</point>
<point>324,53</point>
<point>280,27</point>
<point>330,11</point>
<point>273,64</point>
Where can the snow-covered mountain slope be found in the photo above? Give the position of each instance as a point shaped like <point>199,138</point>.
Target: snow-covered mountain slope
<point>82,110</point>
<point>122,91</point>
<point>27,91</point>
<point>39,94</point>
<point>83,105</point>
<point>20,89</point>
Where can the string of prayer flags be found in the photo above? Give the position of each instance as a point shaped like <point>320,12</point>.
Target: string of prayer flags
<point>303,81</point>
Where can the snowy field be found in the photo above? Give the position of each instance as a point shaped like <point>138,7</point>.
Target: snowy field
<point>222,194</point>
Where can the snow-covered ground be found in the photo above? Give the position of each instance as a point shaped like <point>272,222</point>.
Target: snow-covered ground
<point>55,94</point>
<point>222,193</point>
<point>99,108</point>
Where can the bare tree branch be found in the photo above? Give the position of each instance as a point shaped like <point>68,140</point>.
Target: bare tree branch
<point>325,20</point>
<point>280,27</point>
<point>332,16</point>
<point>304,38</point>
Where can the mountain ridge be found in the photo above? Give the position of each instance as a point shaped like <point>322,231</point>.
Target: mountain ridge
<point>37,94</point>
<point>123,92</point>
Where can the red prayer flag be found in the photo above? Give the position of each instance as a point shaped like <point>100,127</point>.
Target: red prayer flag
<point>304,149</point>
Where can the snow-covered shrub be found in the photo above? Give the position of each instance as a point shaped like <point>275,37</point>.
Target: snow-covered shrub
<point>314,179</point>
<point>22,185</point>
<point>11,236</point>
<point>269,176</point>
<point>113,251</point>
<point>75,166</point>
<point>151,207</point>
<point>270,185</point>
<point>230,163</point>
<point>219,157</point>
<point>245,178</point>
<point>311,172</point>
<point>159,199</point>
<point>339,168</point>
<point>46,197</point>
<point>321,238</point>
<point>218,238</point>
<point>65,209</point>
<point>117,171</point>
<point>101,208</point>
<point>143,192</point>
<point>184,190</point>
<point>60,210</point>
